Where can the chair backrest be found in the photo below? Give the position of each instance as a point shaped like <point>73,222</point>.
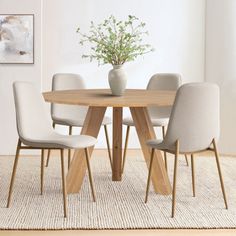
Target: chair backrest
<point>32,117</point>
<point>66,81</point>
<point>163,81</point>
<point>195,117</point>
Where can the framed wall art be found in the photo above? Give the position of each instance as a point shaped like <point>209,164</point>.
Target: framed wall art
<point>16,38</point>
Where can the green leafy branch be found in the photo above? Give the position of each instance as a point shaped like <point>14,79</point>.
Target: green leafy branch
<point>116,42</point>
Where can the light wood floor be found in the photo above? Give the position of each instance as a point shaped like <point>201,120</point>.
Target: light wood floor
<point>161,232</point>
<point>122,232</point>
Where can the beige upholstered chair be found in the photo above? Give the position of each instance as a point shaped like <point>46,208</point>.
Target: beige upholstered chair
<point>194,127</point>
<point>35,132</point>
<point>159,115</point>
<point>72,115</point>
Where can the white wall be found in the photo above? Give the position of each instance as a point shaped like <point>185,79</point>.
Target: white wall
<point>176,29</point>
<point>220,65</point>
<point>10,73</point>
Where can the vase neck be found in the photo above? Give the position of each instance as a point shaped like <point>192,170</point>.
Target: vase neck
<point>117,66</point>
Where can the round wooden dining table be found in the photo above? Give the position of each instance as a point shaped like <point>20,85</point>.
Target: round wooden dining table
<point>98,100</point>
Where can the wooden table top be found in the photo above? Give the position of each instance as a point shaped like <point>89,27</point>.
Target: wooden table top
<point>104,98</point>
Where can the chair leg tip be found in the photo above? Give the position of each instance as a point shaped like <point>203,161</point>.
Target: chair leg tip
<point>65,213</point>
<point>94,199</point>
<point>8,204</point>
<point>146,199</point>
<point>172,215</point>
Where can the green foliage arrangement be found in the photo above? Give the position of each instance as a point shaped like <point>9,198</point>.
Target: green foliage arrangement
<point>116,42</point>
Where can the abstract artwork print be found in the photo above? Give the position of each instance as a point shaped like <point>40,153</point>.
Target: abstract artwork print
<point>17,38</point>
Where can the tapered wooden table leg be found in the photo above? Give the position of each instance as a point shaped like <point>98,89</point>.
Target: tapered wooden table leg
<point>117,144</point>
<point>145,132</point>
<point>77,170</point>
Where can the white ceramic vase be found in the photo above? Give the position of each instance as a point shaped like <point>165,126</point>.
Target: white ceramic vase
<point>117,80</point>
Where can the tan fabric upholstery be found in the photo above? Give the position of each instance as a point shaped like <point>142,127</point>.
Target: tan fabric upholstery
<point>161,81</point>
<point>70,115</point>
<point>34,122</point>
<point>194,120</point>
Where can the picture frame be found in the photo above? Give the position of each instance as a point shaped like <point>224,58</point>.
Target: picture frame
<point>16,38</point>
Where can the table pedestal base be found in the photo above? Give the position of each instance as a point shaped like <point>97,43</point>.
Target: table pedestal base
<point>78,167</point>
<point>144,130</point>
<point>117,144</point>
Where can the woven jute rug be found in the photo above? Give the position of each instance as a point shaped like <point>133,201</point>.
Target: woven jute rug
<point>120,205</point>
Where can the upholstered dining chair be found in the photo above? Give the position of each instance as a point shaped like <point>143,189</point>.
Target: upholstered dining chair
<point>35,132</point>
<point>72,115</point>
<point>194,127</point>
<point>159,115</point>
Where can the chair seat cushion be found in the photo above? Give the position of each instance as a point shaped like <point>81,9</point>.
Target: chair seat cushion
<point>77,122</point>
<point>156,143</point>
<point>156,122</point>
<point>56,140</point>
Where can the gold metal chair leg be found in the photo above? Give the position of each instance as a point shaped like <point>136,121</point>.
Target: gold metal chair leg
<point>69,150</point>
<point>220,174</point>
<point>90,174</point>
<point>186,159</point>
<point>149,175</point>
<point>49,150</point>
<point>174,178</point>
<point>193,174</point>
<point>63,183</point>
<point>14,172</point>
<point>42,171</point>
<point>108,145</point>
<point>165,156</point>
<point>125,148</point>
